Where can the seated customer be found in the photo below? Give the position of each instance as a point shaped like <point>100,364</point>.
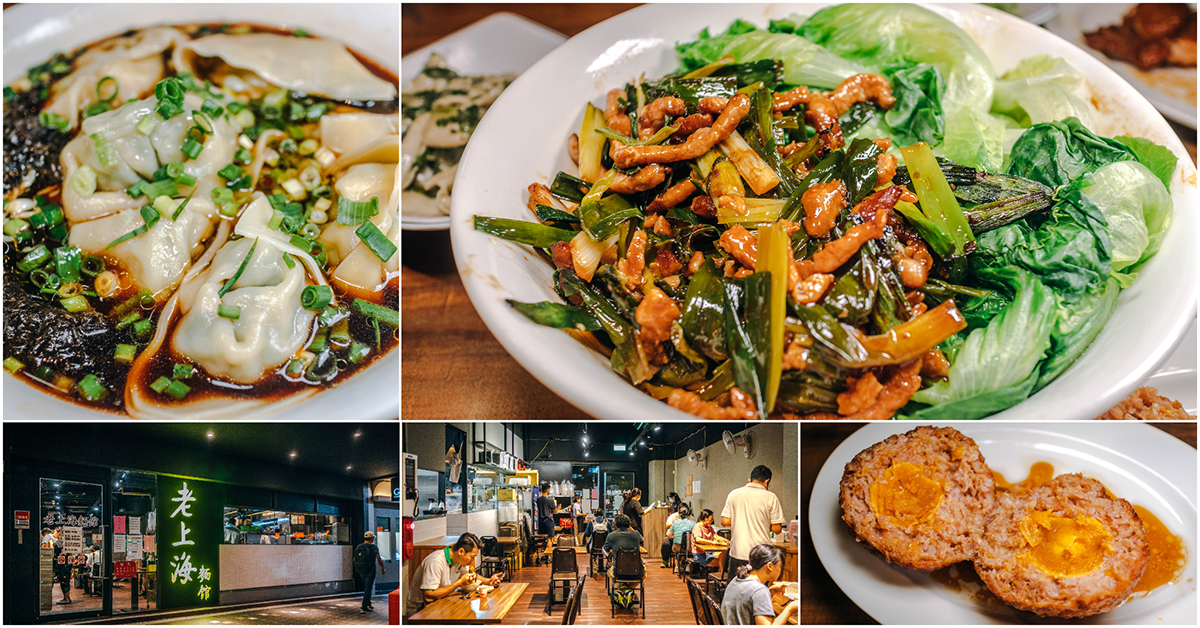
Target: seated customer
<point>442,573</point>
<point>668,540</point>
<point>747,600</point>
<point>705,531</point>
<point>597,524</point>
<point>681,527</point>
<point>623,538</point>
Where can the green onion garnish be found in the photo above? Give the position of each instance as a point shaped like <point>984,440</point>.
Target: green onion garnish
<point>179,210</point>
<point>142,330</point>
<point>169,92</point>
<point>183,371</point>
<point>237,275</point>
<point>231,172</point>
<point>377,312</point>
<point>146,125</point>
<point>354,213</point>
<point>110,81</point>
<point>94,109</point>
<point>34,258</point>
<point>358,352</point>
<point>318,341</point>
<point>54,121</point>
<point>125,353</point>
<point>191,148</point>
<point>294,367</point>
<point>91,265</point>
<point>83,182</point>
<point>232,312</point>
<point>129,319</point>
<point>376,241</point>
<point>12,365</point>
<point>211,109</point>
<point>178,390</point>
<point>105,152</point>
<point>315,112</point>
<point>316,297</point>
<point>242,156</point>
<point>149,217</point>
<point>287,259</point>
<point>339,334</point>
<point>221,195</point>
<point>16,228</point>
<point>229,209</point>
<point>136,189</point>
<point>67,262</point>
<point>90,388</point>
<point>171,170</point>
<point>166,187</point>
<point>39,277</point>
<point>160,384</point>
<point>186,180</point>
<point>201,123</point>
<point>134,301</point>
<point>77,303</point>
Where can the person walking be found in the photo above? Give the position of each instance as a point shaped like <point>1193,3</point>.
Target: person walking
<point>752,512</point>
<point>632,508</point>
<point>545,511</point>
<point>366,555</point>
<point>62,570</point>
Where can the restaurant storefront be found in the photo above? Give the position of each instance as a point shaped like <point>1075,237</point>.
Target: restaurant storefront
<point>139,533</point>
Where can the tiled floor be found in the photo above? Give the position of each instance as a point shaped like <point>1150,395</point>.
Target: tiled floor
<point>330,612</point>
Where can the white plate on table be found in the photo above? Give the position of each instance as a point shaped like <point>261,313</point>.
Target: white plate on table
<point>501,43</point>
<point>1171,90</point>
<point>1137,462</point>
<point>524,136</point>
<point>34,32</point>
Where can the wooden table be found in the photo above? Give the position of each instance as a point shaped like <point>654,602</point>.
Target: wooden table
<point>779,601</point>
<point>452,366</point>
<point>454,609</point>
<point>821,600</point>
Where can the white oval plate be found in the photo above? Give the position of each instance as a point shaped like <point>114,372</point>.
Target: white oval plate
<point>501,43</point>
<point>34,32</point>
<point>523,139</point>
<point>1137,462</point>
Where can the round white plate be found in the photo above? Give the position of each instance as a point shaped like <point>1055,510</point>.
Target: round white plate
<point>1137,462</point>
<point>1171,90</point>
<point>501,43</point>
<point>34,32</point>
<point>524,136</point>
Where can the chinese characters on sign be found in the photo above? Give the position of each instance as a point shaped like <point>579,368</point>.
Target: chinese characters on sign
<point>55,519</point>
<point>188,549</point>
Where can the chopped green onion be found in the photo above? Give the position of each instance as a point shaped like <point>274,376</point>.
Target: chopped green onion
<point>308,146</point>
<point>53,214</point>
<point>149,217</point>
<point>229,209</point>
<point>211,109</point>
<point>58,232</point>
<point>9,94</point>
<point>127,306</point>
<point>295,367</point>
<point>164,205</point>
<point>316,297</point>
<point>69,289</point>
<point>339,334</point>
<point>179,208</point>
<point>191,148</point>
<point>166,187</point>
<point>174,169</point>
<point>67,262</point>
<point>277,200</point>
<point>91,265</point>
<point>91,389</point>
<point>94,109</point>
<point>125,353</point>
<point>137,189</point>
<point>354,213</point>
<point>105,152</point>
<point>44,373</point>
<point>315,112</point>
<point>235,107</point>
<point>376,241</point>
<point>54,121</point>
<point>83,182</point>
<point>318,341</point>
<point>108,80</point>
<point>238,274</point>
<point>358,352</point>
<point>183,371</point>
<point>129,319</point>
<point>142,329</point>
<point>287,146</point>
<point>221,195</point>
<point>377,312</point>
<point>39,277</point>
<point>310,231</point>
<point>36,257</point>
<point>287,259</point>
<point>242,156</point>
<point>15,228</point>
<point>77,303</point>
<point>160,384</point>
<point>169,92</point>
<point>146,125</point>
<point>232,312</point>
<point>201,123</point>
<point>231,172</point>
<point>12,365</point>
<point>186,180</point>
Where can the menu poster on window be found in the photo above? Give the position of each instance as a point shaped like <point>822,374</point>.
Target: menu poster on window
<point>118,543</point>
<point>135,525</point>
<point>72,540</point>
<point>148,543</point>
<point>118,524</point>
<point>133,547</point>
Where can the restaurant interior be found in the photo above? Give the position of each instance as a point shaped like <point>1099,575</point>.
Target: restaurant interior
<point>487,478</point>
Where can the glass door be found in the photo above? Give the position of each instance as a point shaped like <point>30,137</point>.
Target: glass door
<point>387,526</point>
<point>133,567</point>
<point>71,556</point>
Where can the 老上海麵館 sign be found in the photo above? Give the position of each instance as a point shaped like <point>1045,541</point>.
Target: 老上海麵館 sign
<point>188,538</point>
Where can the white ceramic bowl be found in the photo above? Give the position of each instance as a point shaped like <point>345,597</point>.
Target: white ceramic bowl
<point>523,140</point>
<point>34,32</point>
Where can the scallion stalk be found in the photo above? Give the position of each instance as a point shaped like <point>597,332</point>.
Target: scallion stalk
<point>142,330</point>
<point>91,265</point>
<point>377,312</point>
<point>358,352</point>
<point>315,298</point>
<point>125,353</point>
<point>183,371</point>
<point>36,257</point>
<point>83,182</point>
<point>13,365</point>
<point>77,303</point>
<point>160,384</point>
<point>232,312</point>
<point>339,334</point>
<point>376,241</point>
<point>91,388</point>
<point>238,274</point>
<point>105,152</point>
<point>67,262</point>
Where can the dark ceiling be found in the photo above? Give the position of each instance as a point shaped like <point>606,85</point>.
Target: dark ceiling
<point>663,440</point>
<point>327,447</point>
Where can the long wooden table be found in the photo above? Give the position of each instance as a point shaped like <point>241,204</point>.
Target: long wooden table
<point>455,609</point>
<point>779,601</point>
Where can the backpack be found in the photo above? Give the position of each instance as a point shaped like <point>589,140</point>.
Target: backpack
<point>362,558</point>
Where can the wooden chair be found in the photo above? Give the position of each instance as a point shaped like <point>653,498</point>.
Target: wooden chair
<point>597,552</point>
<point>564,540</point>
<point>574,603</point>
<point>541,543</point>
<point>564,570</point>
<point>714,586</point>
<point>714,611</point>
<point>682,555</point>
<point>628,570</point>
<point>693,568</point>
<point>697,598</point>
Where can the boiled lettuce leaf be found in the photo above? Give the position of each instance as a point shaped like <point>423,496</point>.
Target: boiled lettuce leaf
<point>1158,158</point>
<point>997,366</point>
<point>1056,153</point>
<point>917,115</point>
<point>805,63</point>
<point>1137,208</point>
<point>973,138</point>
<point>1078,325</point>
<point>1041,89</point>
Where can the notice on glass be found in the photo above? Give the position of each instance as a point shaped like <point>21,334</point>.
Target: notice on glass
<point>72,540</point>
<point>118,544</point>
<point>135,525</point>
<point>148,543</point>
<point>133,547</point>
<point>119,524</point>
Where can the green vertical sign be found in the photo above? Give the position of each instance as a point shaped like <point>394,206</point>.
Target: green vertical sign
<point>188,539</point>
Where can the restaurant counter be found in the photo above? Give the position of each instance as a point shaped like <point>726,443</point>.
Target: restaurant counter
<point>654,528</point>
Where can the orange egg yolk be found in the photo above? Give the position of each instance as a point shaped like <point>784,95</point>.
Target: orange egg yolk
<point>1065,547</point>
<point>905,495</point>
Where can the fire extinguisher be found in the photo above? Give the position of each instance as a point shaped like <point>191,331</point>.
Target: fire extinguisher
<point>407,533</point>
